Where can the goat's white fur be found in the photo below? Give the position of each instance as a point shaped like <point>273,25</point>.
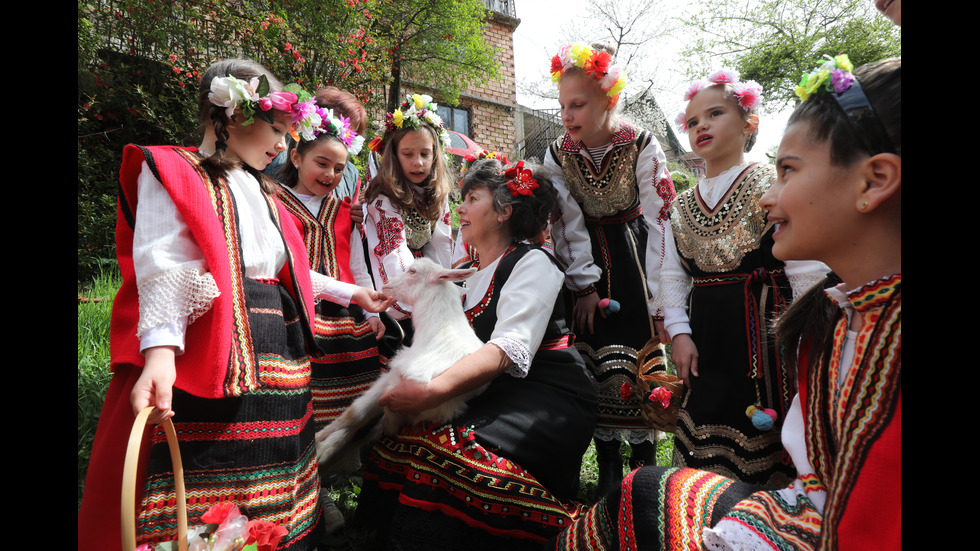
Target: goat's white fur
<point>442,336</point>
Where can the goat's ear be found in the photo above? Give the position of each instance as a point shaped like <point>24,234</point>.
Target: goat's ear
<point>455,275</point>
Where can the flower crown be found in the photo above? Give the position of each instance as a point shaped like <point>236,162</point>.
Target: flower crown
<point>470,158</point>
<point>253,97</point>
<point>417,109</point>
<point>748,94</point>
<point>520,180</point>
<point>313,121</point>
<point>834,78</point>
<point>599,64</point>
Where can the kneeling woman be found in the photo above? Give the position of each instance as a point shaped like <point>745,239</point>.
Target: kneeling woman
<point>507,468</point>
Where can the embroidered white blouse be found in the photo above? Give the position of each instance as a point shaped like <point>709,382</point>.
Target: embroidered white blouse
<point>524,308</point>
<point>388,250</point>
<point>172,277</point>
<point>572,244</point>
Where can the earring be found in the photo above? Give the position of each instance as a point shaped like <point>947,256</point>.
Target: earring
<point>864,205</point>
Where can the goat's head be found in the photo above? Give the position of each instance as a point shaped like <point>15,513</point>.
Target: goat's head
<point>423,277</point>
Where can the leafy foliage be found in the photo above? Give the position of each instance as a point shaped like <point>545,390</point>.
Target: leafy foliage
<point>775,41</point>
<point>140,63</point>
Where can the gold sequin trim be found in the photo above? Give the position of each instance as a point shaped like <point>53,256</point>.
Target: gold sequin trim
<point>717,240</point>
<point>418,229</point>
<point>609,192</point>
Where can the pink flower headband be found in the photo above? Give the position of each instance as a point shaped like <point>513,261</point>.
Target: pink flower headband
<point>598,64</point>
<point>252,97</point>
<point>748,94</point>
<point>520,180</point>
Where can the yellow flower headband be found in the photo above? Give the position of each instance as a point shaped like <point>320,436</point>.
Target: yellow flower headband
<point>599,64</point>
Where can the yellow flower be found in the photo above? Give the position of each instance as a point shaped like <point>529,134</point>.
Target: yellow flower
<point>816,79</point>
<point>618,87</point>
<point>418,101</point>
<point>398,118</point>
<point>556,76</point>
<point>801,93</point>
<point>580,53</point>
<point>844,63</point>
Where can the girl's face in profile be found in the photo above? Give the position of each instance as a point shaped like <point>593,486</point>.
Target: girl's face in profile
<point>586,112</point>
<point>257,144</point>
<point>813,202</point>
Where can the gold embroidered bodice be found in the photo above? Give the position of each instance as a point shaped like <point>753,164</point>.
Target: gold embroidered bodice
<point>717,239</point>
<point>611,191</point>
<point>418,229</point>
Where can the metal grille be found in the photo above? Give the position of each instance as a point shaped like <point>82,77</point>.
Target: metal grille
<point>541,128</point>
<point>505,7</point>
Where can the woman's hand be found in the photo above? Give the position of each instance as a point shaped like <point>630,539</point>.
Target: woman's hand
<point>155,385</point>
<point>584,311</point>
<point>684,354</point>
<point>409,397</point>
<point>371,300</point>
<point>377,326</point>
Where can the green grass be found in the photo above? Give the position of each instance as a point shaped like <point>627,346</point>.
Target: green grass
<point>94,308</point>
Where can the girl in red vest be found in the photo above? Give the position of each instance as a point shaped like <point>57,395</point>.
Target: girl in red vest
<point>837,199</point>
<point>212,323</point>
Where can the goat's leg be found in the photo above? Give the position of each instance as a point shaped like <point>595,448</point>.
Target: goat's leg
<point>365,409</point>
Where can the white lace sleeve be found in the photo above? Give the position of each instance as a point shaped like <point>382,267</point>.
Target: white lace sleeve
<point>334,290</point>
<point>174,285</point>
<point>518,353</point>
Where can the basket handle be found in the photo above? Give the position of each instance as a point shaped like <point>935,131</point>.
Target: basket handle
<point>129,482</point>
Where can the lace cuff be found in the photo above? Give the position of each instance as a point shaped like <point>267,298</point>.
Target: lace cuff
<point>517,352</point>
<point>801,283</point>
<point>174,295</point>
<point>673,293</point>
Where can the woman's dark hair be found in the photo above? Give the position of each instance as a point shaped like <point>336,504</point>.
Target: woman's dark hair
<point>813,315</point>
<point>217,165</point>
<point>529,214</point>
<point>882,84</point>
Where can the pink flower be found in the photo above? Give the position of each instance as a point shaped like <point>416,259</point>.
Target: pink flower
<point>694,88</point>
<point>681,122</point>
<point>287,46</point>
<point>723,76</point>
<point>749,94</point>
<point>662,395</point>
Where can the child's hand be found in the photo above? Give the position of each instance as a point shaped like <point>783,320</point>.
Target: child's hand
<point>155,385</point>
<point>357,213</point>
<point>662,333</point>
<point>684,354</point>
<point>377,326</point>
<point>584,311</point>
<point>371,300</point>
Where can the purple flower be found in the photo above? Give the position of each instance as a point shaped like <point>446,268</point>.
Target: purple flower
<point>841,80</point>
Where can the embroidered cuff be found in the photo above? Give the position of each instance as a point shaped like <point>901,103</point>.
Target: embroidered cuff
<point>174,295</point>
<point>585,291</point>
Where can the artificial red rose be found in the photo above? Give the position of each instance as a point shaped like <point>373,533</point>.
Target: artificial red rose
<point>626,392</point>
<point>219,512</point>
<point>662,395</point>
<point>265,535</point>
<point>469,158</point>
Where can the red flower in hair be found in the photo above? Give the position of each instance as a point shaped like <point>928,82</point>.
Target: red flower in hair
<point>598,64</point>
<point>520,181</point>
<point>556,64</point>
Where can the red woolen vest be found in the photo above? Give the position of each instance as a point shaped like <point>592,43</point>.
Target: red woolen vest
<point>206,367</point>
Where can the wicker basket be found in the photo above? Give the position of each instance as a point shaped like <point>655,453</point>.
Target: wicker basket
<point>129,482</point>
<point>651,372</point>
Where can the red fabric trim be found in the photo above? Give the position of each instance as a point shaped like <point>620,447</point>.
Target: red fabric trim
<point>459,515</point>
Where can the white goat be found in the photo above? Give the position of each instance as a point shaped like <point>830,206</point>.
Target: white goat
<point>442,336</point>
